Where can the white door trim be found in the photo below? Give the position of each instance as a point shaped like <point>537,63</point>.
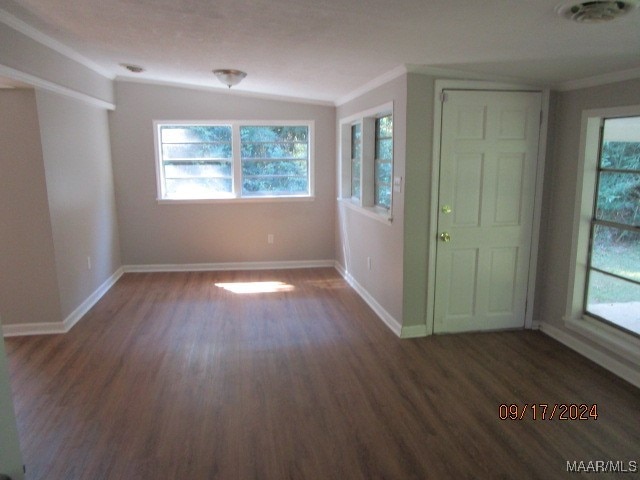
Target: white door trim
<point>440,86</point>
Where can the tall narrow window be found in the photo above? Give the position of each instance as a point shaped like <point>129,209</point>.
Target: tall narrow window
<point>613,287</point>
<point>383,161</point>
<point>356,159</point>
<point>196,161</point>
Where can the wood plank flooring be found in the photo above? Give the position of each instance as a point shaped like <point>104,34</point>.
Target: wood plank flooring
<point>172,377</point>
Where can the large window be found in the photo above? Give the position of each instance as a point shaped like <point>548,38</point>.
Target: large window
<point>229,160</point>
<point>613,273</point>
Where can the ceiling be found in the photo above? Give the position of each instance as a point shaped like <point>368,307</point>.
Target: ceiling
<point>325,49</point>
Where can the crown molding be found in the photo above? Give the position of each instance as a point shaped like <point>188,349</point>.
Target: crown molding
<point>372,84</point>
<point>598,80</point>
<point>31,32</point>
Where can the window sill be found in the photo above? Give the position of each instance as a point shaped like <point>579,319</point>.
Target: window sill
<point>623,344</point>
<point>376,213</point>
<point>191,201</point>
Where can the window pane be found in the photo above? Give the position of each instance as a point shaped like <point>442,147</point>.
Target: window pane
<point>616,251</point>
<point>384,126</point>
<point>383,196</point>
<point>196,150</point>
<point>383,172</point>
<point>274,150</point>
<point>615,300</point>
<point>619,198</point>
<point>275,160</point>
<point>265,185</point>
<point>197,169</point>
<point>383,164</point>
<point>384,149</point>
<point>356,143</point>
<point>620,155</point>
<point>197,188</point>
<point>355,177</point>
<point>195,133</point>
<point>274,134</point>
<point>297,168</point>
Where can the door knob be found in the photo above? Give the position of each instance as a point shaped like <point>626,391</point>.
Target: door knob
<point>446,209</point>
<point>445,237</point>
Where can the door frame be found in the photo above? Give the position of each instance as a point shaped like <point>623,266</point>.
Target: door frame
<point>432,241</point>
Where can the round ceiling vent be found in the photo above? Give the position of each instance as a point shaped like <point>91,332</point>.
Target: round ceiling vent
<point>596,11</point>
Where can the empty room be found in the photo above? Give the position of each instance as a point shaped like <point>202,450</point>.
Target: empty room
<point>319,240</point>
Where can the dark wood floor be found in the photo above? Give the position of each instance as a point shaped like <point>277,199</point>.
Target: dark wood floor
<point>172,377</point>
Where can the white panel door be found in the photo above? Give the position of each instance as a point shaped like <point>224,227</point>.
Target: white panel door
<point>489,151</point>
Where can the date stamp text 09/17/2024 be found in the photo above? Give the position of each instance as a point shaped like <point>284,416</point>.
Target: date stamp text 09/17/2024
<point>548,411</point>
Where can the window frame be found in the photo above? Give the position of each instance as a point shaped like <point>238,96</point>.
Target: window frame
<point>366,203</point>
<point>236,161</point>
<point>595,222</point>
<point>576,318</point>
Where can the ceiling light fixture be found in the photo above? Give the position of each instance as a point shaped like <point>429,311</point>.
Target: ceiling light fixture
<point>229,77</point>
<point>598,11</point>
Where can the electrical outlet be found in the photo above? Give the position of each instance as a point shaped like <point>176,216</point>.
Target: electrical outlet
<point>270,239</point>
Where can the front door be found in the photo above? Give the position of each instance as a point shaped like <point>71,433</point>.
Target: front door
<point>489,152</point>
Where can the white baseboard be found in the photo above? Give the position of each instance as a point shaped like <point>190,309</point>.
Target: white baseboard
<point>595,355</point>
<point>20,330</point>
<point>205,267</point>
<point>385,316</point>
<point>414,331</point>
<point>17,330</point>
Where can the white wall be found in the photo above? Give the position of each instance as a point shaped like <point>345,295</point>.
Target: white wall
<point>153,233</point>
<point>359,236</point>
<point>28,282</point>
<point>77,161</point>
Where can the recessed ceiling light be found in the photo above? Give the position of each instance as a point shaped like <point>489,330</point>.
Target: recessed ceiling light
<point>132,68</point>
<point>597,11</point>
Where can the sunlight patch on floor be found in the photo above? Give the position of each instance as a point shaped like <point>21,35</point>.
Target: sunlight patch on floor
<point>256,287</point>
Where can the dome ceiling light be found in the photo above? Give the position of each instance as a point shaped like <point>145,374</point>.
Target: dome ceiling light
<point>598,11</point>
<point>229,77</point>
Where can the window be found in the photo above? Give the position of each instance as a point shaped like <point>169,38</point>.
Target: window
<point>366,166</point>
<point>383,161</point>
<point>613,271</point>
<point>356,159</point>
<point>232,160</point>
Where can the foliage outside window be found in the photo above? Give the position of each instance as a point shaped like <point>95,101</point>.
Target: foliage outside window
<point>356,159</point>
<point>200,161</point>
<point>613,287</point>
<point>383,161</point>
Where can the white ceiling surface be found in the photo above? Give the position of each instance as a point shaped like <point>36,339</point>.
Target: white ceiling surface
<point>325,49</point>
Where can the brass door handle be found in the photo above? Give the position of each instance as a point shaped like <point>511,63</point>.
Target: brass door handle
<point>445,237</point>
